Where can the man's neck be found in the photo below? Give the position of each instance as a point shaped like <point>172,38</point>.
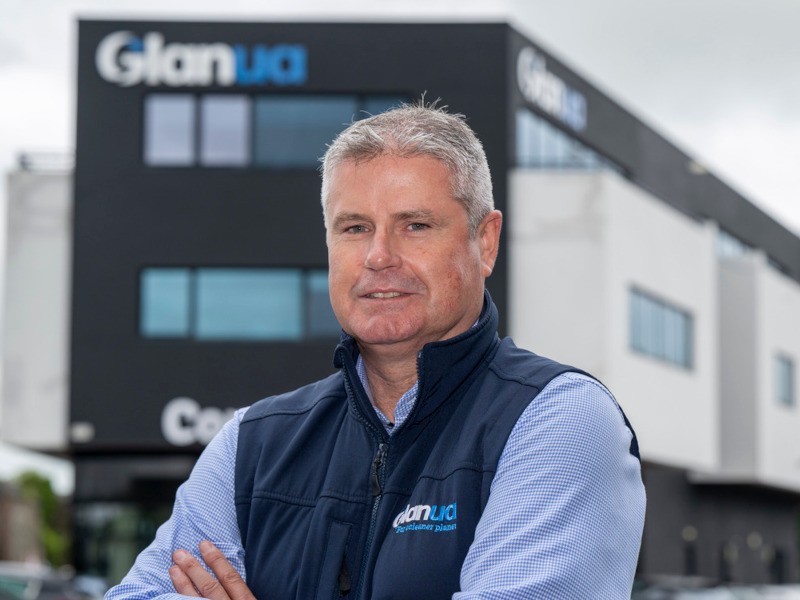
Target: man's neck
<point>390,375</point>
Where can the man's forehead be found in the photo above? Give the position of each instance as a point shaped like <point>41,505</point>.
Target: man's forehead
<point>395,186</point>
<point>387,161</point>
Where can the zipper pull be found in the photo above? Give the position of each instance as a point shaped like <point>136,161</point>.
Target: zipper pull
<point>376,464</point>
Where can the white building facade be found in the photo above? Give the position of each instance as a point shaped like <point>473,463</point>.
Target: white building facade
<point>34,409</point>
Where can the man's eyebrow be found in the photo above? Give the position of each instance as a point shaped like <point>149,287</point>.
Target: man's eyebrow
<point>411,215</point>
<point>348,217</point>
<point>407,215</point>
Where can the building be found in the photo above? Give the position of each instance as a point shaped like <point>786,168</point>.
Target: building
<point>199,267</point>
<point>36,303</point>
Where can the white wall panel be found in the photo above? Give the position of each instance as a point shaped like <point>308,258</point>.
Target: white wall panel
<point>36,311</point>
<point>578,242</point>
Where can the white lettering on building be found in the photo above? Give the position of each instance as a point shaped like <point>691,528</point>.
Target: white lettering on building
<point>185,422</point>
<point>548,91</point>
<point>126,59</point>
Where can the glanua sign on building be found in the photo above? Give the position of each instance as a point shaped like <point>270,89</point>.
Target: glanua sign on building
<point>126,59</point>
<point>547,91</point>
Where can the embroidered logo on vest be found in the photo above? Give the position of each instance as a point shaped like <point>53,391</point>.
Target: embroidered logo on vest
<point>426,517</point>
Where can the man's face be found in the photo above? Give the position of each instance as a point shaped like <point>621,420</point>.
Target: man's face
<point>403,267</point>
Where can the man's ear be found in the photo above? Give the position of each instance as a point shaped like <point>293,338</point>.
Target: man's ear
<point>489,238</point>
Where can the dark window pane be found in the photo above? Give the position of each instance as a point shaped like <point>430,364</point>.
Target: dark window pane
<point>321,320</point>
<point>375,105</point>
<point>539,144</point>
<point>292,131</point>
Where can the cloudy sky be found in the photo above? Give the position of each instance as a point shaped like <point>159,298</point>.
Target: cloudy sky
<point>720,78</point>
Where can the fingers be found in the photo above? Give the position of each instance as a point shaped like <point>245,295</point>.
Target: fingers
<point>190,578</point>
<point>182,584</point>
<point>189,573</point>
<point>227,575</point>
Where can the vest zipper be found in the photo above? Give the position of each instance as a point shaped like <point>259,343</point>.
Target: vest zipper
<point>376,465</point>
<point>377,494</point>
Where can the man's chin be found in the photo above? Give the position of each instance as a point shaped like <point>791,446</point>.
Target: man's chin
<point>373,339</point>
<point>382,335</point>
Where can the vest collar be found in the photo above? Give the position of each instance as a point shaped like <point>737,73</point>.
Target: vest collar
<point>441,366</point>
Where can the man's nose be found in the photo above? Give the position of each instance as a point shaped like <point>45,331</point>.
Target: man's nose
<point>382,252</point>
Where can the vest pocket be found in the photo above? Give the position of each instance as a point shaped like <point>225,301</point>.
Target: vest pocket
<point>334,577</point>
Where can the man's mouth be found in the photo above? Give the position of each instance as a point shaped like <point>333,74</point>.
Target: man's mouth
<point>382,295</point>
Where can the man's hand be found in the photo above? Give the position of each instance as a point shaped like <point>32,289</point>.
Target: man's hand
<point>191,579</point>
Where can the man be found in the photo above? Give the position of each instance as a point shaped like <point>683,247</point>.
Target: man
<point>439,461</point>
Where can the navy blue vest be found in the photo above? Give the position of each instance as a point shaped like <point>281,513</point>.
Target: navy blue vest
<point>329,506</point>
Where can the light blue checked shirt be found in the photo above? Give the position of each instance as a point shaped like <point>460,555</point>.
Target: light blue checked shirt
<point>563,522</point>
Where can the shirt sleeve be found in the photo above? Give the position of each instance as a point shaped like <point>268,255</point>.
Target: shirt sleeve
<point>204,510</point>
<point>566,508</point>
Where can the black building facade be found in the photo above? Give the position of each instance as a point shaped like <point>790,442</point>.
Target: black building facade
<point>199,268</point>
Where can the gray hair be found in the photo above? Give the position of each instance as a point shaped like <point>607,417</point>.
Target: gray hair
<point>418,130</point>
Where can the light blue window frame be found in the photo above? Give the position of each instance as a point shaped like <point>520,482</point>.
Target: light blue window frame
<point>165,298</point>
<point>273,131</point>
<point>784,380</point>
<point>235,304</point>
<point>170,130</point>
<point>225,130</point>
<point>660,330</point>
<point>321,320</point>
<point>249,304</point>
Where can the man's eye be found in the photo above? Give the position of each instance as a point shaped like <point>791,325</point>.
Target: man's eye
<point>418,226</point>
<point>355,229</point>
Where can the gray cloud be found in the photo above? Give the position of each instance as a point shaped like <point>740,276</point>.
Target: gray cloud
<point>665,54</point>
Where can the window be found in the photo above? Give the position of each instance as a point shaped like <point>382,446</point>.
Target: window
<point>542,145</point>
<point>375,105</point>
<point>225,130</point>
<point>219,304</point>
<point>169,130</point>
<point>728,245</point>
<point>165,295</point>
<point>264,131</point>
<point>249,304</point>
<point>291,131</point>
<point>321,320</point>
<point>784,380</point>
<point>660,330</point>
